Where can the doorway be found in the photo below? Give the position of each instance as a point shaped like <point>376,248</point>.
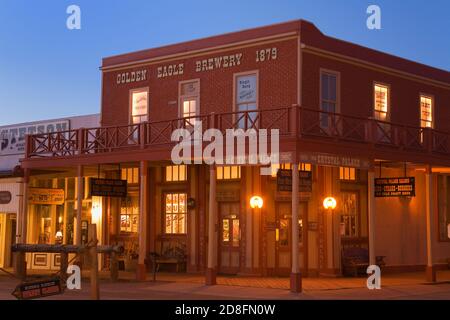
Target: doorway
<point>229,238</point>
<point>283,236</point>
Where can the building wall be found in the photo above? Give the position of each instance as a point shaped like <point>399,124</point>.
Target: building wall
<point>277,83</point>
<point>356,91</point>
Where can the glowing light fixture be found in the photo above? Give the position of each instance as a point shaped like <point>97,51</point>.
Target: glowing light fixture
<point>329,203</point>
<point>256,202</point>
<point>96,210</point>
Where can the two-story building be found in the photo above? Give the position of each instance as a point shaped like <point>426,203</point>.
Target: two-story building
<point>347,116</point>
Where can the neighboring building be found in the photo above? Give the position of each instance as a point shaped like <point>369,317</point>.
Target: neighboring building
<point>12,150</point>
<point>346,114</point>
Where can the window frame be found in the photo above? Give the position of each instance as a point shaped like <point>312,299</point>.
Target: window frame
<point>239,167</point>
<point>164,169</point>
<point>389,106</point>
<point>130,103</point>
<point>431,97</point>
<point>235,104</point>
<point>181,97</point>
<point>164,213</point>
<point>338,88</point>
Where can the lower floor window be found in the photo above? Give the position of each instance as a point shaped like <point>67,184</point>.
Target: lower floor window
<point>129,214</point>
<point>175,213</point>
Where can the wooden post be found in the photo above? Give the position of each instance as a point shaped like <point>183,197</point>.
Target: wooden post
<point>430,270</point>
<point>212,244</point>
<point>92,236</point>
<point>296,277</point>
<point>371,214</point>
<point>143,194</point>
<point>20,267</point>
<point>64,264</point>
<point>79,204</point>
<point>114,266</point>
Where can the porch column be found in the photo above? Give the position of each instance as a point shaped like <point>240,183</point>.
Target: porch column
<point>296,277</point>
<point>80,193</point>
<point>371,214</point>
<point>141,268</point>
<point>23,214</point>
<point>211,271</point>
<point>430,270</point>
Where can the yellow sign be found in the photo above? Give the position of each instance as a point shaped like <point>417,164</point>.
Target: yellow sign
<point>45,196</point>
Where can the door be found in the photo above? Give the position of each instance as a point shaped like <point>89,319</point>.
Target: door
<point>12,239</point>
<point>283,236</point>
<point>229,238</point>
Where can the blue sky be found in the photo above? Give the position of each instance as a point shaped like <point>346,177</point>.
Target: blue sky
<point>48,71</point>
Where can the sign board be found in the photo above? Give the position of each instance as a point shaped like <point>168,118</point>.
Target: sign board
<point>12,138</point>
<point>38,289</point>
<point>45,196</point>
<point>284,180</point>
<point>108,188</point>
<point>332,160</point>
<point>5,197</point>
<point>395,187</point>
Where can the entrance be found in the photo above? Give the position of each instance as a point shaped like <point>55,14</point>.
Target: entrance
<point>229,238</point>
<point>283,236</point>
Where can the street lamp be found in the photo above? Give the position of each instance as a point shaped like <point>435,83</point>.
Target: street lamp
<point>329,203</point>
<point>256,202</point>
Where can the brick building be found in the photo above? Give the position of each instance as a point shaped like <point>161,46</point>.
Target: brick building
<point>347,116</point>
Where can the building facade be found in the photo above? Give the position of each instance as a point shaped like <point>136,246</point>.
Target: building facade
<point>347,116</point>
<point>12,150</point>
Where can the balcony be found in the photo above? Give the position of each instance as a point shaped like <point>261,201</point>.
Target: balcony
<point>301,130</point>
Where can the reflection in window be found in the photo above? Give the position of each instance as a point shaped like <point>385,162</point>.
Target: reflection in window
<point>175,213</point>
<point>139,106</point>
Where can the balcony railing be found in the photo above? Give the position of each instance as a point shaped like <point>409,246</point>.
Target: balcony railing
<point>296,122</point>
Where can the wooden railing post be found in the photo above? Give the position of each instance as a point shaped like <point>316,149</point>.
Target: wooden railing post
<point>428,139</point>
<point>80,140</point>
<point>142,131</point>
<point>114,266</point>
<point>64,264</point>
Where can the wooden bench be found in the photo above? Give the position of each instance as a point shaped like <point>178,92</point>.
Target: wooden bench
<point>171,256</point>
<point>355,260</point>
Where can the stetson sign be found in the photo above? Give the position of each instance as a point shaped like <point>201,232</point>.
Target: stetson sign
<point>395,187</point>
<point>45,196</point>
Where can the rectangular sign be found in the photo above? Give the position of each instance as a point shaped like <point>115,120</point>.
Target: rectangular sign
<point>332,160</point>
<point>12,138</point>
<point>395,187</point>
<point>108,188</point>
<point>38,289</point>
<point>284,180</point>
<point>45,196</point>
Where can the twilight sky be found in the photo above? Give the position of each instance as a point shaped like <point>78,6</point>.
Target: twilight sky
<point>48,71</point>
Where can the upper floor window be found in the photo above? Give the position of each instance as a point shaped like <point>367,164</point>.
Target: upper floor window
<point>246,100</point>
<point>348,174</point>
<point>139,106</point>
<point>189,101</point>
<point>426,111</point>
<point>381,103</point>
<point>328,96</point>
<point>176,173</point>
<point>228,172</point>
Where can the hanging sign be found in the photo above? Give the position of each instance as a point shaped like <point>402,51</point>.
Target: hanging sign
<point>395,187</point>
<point>45,196</point>
<point>38,289</point>
<point>284,180</point>
<point>108,188</point>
